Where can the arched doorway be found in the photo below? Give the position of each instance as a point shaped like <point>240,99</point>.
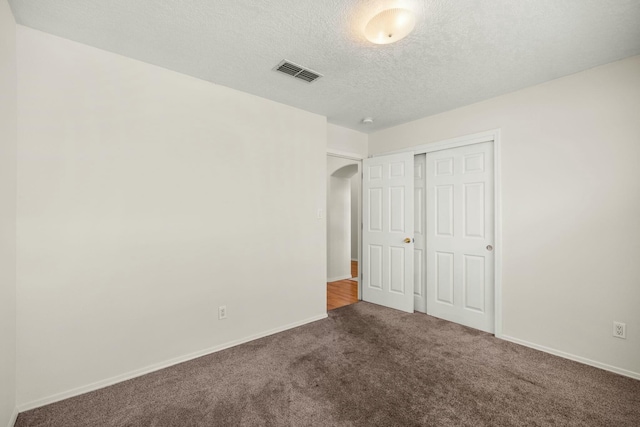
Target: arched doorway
<point>343,231</point>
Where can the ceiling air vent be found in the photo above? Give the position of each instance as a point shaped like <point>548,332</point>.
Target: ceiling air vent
<point>297,71</point>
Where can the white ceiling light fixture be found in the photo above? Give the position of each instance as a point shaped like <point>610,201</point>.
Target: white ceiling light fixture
<point>390,25</point>
<point>367,120</point>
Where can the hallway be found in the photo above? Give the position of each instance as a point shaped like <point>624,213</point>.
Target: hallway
<point>343,292</point>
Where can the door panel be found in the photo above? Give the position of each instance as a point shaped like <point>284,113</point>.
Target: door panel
<point>473,210</point>
<point>388,262</point>
<point>397,282</point>
<point>375,209</point>
<point>375,266</point>
<point>460,226</point>
<point>444,277</point>
<point>396,199</point>
<point>444,210</point>
<point>473,282</point>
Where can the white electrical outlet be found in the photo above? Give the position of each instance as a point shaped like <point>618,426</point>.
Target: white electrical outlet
<point>222,312</point>
<point>620,330</point>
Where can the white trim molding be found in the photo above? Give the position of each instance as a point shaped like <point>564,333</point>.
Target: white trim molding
<point>478,138</point>
<point>14,417</point>
<point>344,154</point>
<point>446,144</point>
<point>497,230</point>
<point>564,355</point>
<point>158,366</point>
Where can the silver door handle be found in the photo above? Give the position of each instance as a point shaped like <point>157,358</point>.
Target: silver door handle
<point>489,248</point>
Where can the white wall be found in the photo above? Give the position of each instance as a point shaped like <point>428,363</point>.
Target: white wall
<point>355,229</point>
<point>8,108</point>
<point>148,199</point>
<point>571,207</point>
<point>338,229</point>
<point>347,140</point>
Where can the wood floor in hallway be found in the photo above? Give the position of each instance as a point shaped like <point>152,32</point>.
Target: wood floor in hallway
<point>343,292</point>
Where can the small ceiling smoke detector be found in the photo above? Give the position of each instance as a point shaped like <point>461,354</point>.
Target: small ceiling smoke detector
<point>389,26</point>
<point>367,120</point>
<point>297,71</point>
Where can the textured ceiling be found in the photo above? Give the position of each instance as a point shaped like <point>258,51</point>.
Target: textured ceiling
<point>460,52</point>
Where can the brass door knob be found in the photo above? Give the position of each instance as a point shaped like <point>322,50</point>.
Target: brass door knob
<point>407,240</point>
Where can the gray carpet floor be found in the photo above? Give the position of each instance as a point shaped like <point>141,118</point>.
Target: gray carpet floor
<point>363,366</point>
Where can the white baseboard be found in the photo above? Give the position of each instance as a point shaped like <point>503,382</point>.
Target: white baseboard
<point>14,417</point>
<point>335,279</point>
<point>615,369</point>
<point>157,366</point>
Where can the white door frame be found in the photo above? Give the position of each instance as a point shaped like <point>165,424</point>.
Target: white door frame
<point>477,138</point>
<point>358,158</point>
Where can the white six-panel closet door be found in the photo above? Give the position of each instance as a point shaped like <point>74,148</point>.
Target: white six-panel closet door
<point>460,235</point>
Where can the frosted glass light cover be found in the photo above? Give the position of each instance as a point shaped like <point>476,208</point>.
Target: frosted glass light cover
<point>389,26</point>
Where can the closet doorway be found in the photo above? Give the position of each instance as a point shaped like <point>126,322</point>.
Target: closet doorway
<point>431,231</point>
